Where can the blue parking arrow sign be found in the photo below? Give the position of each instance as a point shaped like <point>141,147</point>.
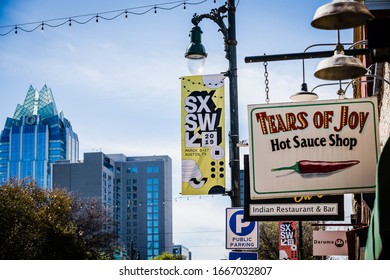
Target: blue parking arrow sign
<point>242,256</point>
<point>240,234</point>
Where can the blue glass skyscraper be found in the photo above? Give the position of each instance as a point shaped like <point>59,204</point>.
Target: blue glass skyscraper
<point>34,138</point>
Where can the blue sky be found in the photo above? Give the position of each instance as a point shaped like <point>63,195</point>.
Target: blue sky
<point>118,81</point>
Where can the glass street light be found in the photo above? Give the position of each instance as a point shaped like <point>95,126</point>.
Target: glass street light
<point>196,52</point>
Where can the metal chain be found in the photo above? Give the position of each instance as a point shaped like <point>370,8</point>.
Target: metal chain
<point>266,81</point>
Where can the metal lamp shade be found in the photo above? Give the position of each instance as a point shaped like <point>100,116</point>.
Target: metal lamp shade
<point>341,15</point>
<point>340,67</point>
<point>195,49</point>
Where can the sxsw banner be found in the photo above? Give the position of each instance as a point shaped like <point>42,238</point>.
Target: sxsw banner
<point>288,241</point>
<point>313,148</point>
<point>202,134</point>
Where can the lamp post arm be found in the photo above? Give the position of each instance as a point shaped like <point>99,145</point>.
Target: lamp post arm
<point>217,15</point>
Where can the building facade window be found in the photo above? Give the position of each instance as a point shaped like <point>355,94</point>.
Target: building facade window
<point>132,170</point>
<point>152,169</point>
<point>153,210</point>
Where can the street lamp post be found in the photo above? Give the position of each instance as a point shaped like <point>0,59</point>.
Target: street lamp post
<point>229,35</point>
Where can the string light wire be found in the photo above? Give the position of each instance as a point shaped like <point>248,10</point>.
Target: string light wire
<point>86,18</point>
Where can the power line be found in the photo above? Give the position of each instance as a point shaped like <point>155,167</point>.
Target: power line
<point>87,18</point>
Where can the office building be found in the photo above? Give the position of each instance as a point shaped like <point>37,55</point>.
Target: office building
<point>36,136</point>
<point>182,250</point>
<point>137,191</point>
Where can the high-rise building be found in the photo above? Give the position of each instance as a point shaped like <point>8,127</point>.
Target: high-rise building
<point>137,191</point>
<point>35,137</point>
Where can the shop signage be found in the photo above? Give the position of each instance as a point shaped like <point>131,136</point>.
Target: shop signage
<point>313,148</point>
<point>330,243</point>
<point>299,208</point>
<point>320,208</point>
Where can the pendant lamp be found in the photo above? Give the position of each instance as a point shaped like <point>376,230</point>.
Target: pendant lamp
<point>341,14</point>
<point>340,66</point>
<point>304,95</point>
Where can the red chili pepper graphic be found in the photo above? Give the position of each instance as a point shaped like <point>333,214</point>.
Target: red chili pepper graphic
<point>309,166</point>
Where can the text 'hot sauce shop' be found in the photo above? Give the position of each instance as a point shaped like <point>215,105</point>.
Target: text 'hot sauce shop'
<point>308,148</point>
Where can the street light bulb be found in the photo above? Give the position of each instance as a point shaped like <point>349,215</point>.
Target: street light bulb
<point>196,65</point>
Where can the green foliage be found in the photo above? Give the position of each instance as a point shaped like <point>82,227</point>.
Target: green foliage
<point>44,224</point>
<point>168,256</point>
<point>269,246</point>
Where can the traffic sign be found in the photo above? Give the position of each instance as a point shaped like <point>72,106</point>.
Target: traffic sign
<point>243,256</point>
<point>240,234</point>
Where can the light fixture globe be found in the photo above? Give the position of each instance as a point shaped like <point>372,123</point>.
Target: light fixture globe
<point>340,67</point>
<point>304,95</point>
<point>341,14</point>
<point>196,66</point>
<point>196,52</point>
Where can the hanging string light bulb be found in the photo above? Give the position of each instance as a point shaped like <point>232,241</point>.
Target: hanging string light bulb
<point>138,11</point>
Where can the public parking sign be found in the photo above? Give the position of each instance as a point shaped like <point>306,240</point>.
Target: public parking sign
<point>240,234</point>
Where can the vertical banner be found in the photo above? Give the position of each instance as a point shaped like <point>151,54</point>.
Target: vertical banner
<point>202,134</point>
<point>288,249</point>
